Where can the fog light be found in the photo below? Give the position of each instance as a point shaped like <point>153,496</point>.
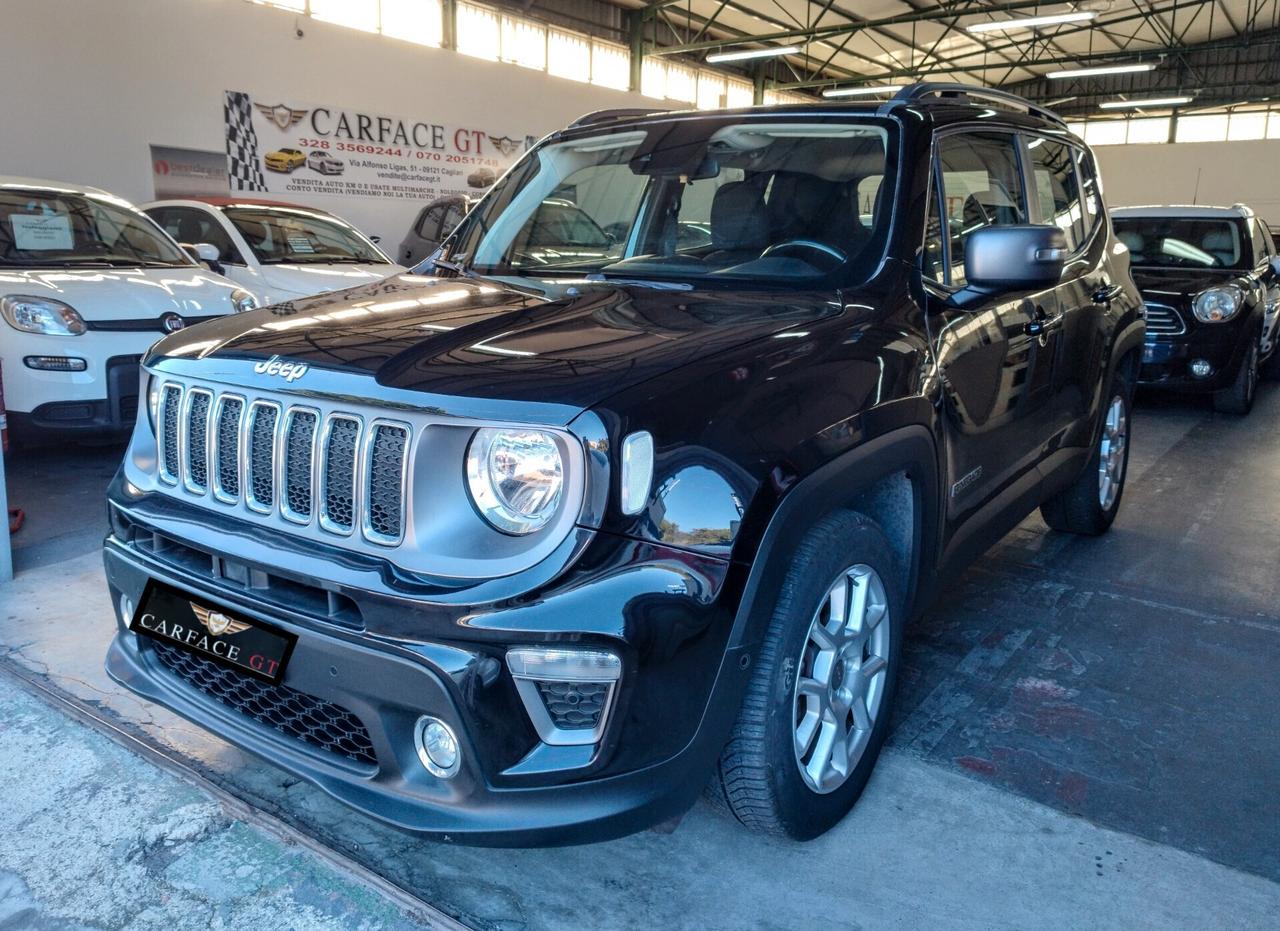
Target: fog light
<point>1200,368</point>
<point>56,363</point>
<point>568,694</point>
<point>437,747</point>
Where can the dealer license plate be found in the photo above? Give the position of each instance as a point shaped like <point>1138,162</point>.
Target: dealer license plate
<point>172,617</point>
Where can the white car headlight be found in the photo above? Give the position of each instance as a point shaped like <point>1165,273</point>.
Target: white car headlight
<point>1217,305</point>
<point>41,315</point>
<point>242,300</point>
<point>515,478</point>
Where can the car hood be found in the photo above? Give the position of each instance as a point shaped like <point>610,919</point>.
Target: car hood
<point>1178,284</point>
<point>475,338</point>
<point>289,281</point>
<point>104,294</point>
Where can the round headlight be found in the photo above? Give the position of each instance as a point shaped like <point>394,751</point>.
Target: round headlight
<point>242,300</point>
<point>41,315</point>
<point>515,478</point>
<point>1217,305</point>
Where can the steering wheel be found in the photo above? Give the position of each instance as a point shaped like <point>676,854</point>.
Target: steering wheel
<point>832,256</point>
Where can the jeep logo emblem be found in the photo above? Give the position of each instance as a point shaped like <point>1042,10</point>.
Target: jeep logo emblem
<point>289,371</point>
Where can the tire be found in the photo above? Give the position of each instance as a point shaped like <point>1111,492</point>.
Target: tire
<point>758,777</point>
<point>1090,504</point>
<point>1238,398</point>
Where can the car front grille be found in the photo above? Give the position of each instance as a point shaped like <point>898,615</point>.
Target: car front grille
<point>1163,320</point>
<point>334,470</point>
<point>303,717</point>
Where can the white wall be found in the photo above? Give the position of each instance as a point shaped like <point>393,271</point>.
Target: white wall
<point>89,85</point>
<point>1212,173</point>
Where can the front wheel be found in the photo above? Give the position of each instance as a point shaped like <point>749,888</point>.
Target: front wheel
<point>1238,398</point>
<point>818,704</point>
<point>1090,504</point>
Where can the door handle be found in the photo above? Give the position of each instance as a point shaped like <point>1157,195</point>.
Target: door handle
<point>1107,293</point>
<point>1042,323</point>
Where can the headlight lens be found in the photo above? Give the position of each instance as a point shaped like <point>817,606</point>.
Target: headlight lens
<point>515,478</point>
<point>242,300</point>
<point>1217,305</point>
<point>41,315</point>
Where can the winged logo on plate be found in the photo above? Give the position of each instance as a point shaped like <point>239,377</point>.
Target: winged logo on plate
<point>217,622</point>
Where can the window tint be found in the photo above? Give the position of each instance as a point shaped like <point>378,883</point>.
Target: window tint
<point>1182,242</point>
<point>981,186</point>
<point>191,225</point>
<point>1057,193</point>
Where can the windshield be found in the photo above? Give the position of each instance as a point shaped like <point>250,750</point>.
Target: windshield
<point>277,236</point>
<point>1179,242</point>
<point>41,228</point>
<point>769,201</point>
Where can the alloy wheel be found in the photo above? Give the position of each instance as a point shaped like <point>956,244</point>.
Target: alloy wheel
<point>840,683</point>
<point>1111,461</point>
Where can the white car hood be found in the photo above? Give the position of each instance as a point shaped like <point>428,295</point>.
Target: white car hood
<point>288,281</point>
<point>125,293</point>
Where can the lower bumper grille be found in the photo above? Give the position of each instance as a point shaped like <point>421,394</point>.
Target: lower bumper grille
<point>304,717</point>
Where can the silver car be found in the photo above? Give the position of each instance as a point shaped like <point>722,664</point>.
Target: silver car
<point>431,227</point>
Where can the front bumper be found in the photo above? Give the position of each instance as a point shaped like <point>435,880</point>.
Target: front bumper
<point>1166,360</point>
<point>103,399</point>
<point>678,696</point>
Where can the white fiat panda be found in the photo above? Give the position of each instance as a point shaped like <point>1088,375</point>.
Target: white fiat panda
<point>87,284</point>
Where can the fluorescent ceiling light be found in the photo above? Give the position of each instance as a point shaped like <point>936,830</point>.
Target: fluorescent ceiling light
<point>862,91</point>
<point>718,57</point>
<point>1030,22</point>
<point>1102,69</point>
<point>1148,102</point>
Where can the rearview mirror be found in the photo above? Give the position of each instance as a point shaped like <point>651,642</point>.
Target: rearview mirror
<point>1012,258</point>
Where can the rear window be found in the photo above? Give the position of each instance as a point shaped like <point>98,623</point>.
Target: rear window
<point>1182,242</point>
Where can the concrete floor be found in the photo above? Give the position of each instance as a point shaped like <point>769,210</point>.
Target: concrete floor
<point>1085,735</point>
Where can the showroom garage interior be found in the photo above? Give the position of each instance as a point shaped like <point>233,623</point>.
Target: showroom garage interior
<point>639,463</point>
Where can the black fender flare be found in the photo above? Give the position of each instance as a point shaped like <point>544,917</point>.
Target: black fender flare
<point>911,450</point>
<point>1131,336</point>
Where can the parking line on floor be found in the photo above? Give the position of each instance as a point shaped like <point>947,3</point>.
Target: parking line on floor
<point>430,917</point>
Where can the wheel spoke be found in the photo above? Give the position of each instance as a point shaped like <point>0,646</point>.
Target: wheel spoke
<point>820,762</point>
<point>861,717</point>
<point>858,604</point>
<point>805,732</point>
<point>873,666</point>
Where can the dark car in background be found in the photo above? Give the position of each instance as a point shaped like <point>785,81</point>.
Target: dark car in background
<point>535,545</point>
<point>1210,280</point>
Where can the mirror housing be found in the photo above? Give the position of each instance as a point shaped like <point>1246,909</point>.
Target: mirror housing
<point>1013,258</point>
<point>206,253</point>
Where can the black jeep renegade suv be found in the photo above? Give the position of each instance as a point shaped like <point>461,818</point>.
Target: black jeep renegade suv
<point>532,545</point>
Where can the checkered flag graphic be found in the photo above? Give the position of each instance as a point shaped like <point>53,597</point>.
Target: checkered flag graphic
<point>244,171</point>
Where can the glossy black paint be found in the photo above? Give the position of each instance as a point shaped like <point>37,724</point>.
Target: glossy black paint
<point>1166,358</point>
<point>768,408</point>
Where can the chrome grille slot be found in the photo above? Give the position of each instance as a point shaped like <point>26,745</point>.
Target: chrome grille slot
<point>170,403</point>
<point>226,463</point>
<point>299,457</point>
<point>386,449</point>
<point>260,493</point>
<point>340,445</point>
<point>195,443</point>
<point>1163,320</point>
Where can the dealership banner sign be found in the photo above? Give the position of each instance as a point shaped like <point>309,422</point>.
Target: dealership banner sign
<point>296,147</point>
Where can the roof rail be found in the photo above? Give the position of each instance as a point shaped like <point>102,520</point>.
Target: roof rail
<point>603,116</point>
<point>963,92</point>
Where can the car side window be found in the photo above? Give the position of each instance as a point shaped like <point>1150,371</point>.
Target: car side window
<point>191,225</point>
<point>1090,189</point>
<point>452,217</point>
<point>981,186</point>
<point>429,223</point>
<point>1057,191</point>
<point>1261,247</point>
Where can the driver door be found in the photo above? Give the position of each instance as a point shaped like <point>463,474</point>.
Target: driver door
<point>994,353</point>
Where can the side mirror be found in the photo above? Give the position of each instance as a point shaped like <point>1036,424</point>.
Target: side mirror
<point>1012,258</point>
<point>205,253</point>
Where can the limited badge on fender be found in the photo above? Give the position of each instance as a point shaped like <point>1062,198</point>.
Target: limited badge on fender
<point>172,617</point>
